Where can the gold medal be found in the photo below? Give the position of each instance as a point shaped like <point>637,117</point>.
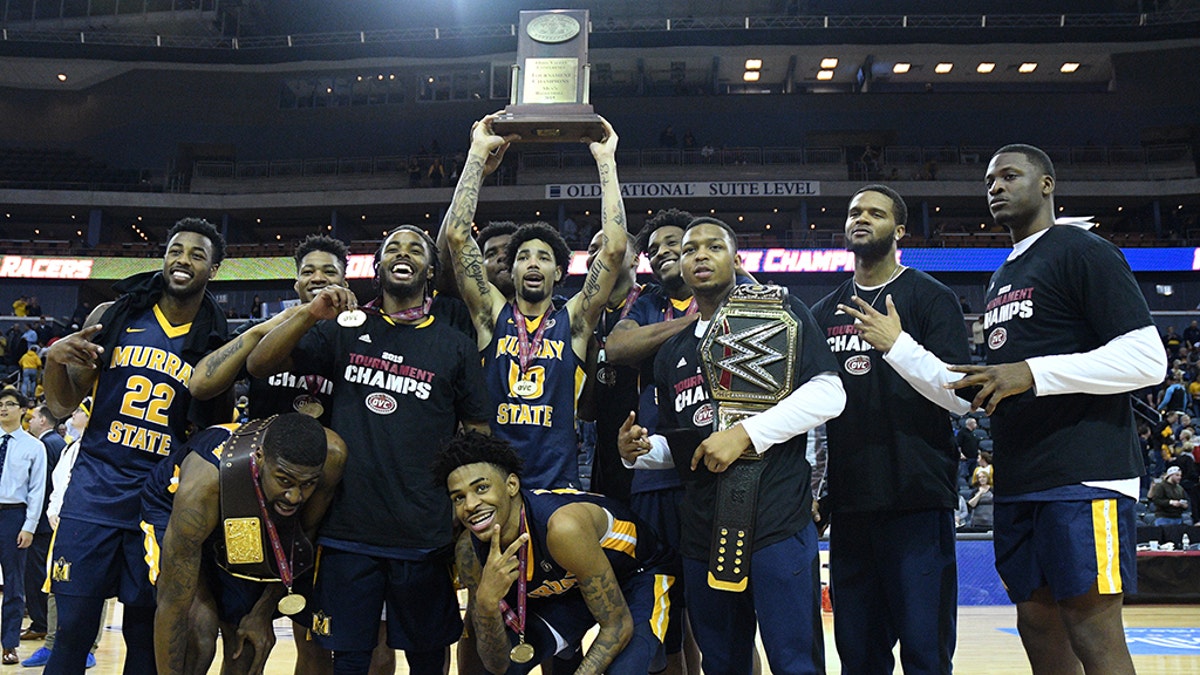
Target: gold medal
<point>310,406</point>
<point>525,388</point>
<point>291,604</point>
<point>352,318</point>
<point>522,653</point>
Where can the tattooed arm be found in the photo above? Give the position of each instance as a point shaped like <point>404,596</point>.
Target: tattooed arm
<point>193,517</point>
<point>573,538</point>
<point>588,304</point>
<point>217,371</point>
<point>483,300</point>
<point>486,587</point>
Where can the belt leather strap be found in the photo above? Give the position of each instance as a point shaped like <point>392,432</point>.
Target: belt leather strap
<point>243,549</point>
<point>748,353</point>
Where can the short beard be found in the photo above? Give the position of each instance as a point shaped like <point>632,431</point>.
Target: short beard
<point>533,296</point>
<point>401,291</point>
<point>873,250</point>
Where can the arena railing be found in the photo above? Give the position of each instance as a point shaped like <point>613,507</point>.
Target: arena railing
<point>542,160</point>
<point>33,31</point>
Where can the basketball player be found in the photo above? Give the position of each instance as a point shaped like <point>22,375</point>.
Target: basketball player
<point>552,564</point>
<point>137,354</point>
<point>533,350</point>
<point>293,473</point>
<point>403,381</point>
<point>320,261</point>
<point>611,391</point>
<point>1068,335</point>
<point>893,466</point>
<point>782,598</point>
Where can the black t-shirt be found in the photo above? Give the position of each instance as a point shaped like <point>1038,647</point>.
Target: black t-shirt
<point>287,392</point>
<point>784,499</point>
<point>615,392</point>
<point>1070,292</point>
<point>399,392</point>
<point>892,448</point>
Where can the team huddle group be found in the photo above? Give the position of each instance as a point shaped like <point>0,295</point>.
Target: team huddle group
<point>426,438</point>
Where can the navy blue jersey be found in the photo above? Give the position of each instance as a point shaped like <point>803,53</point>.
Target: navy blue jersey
<point>537,418</point>
<point>631,547</point>
<point>139,415</point>
<point>400,390</point>
<point>1069,292</point>
<point>158,494</point>
<point>655,305</point>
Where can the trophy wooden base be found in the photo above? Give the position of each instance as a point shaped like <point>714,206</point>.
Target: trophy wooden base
<point>544,124</point>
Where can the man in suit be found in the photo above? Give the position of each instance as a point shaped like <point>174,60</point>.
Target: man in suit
<point>44,426</point>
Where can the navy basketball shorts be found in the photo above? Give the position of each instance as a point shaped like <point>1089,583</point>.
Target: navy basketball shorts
<point>556,625</point>
<point>100,561</point>
<point>660,509</point>
<point>352,590</point>
<point>1070,546</point>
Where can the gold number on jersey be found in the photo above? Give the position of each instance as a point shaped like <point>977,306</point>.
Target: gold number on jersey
<point>147,401</point>
<point>531,386</point>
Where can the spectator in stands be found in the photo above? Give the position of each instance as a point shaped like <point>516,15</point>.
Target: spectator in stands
<point>30,335</point>
<point>977,336</point>
<point>19,306</point>
<point>414,172</point>
<point>962,514</point>
<point>437,172</point>
<point>689,143</point>
<point>982,503</point>
<point>1170,500</point>
<point>256,307</point>
<point>1175,396</point>
<point>870,162</point>
<point>965,304</point>
<point>968,448</point>
<point>31,365</point>
<point>984,467</point>
<point>667,138</point>
<point>707,152</point>
<point>1193,388</point>
<point>1171,341</point>
<point>1191,334</point>
<point>33,307</point>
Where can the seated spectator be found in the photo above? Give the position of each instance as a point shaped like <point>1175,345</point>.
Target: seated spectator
<point>984,469</point>
<point>1170,500</point>
<point>962,515</point>
<point>968,448</point>
<point>982,503</point>
<point>1171,341</point>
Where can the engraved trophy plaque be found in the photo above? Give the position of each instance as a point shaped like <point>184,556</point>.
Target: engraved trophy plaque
<point>550,88</point>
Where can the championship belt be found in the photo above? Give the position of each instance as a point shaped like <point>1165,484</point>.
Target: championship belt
<point>243,547</point>
<point>749,357</point>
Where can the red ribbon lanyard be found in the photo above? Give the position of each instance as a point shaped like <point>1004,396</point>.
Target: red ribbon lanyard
<point>410,314</point>
<point>527,351</point>
<point>517,621</point>
<point>285,567</point>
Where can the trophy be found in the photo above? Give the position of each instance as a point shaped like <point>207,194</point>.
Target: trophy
<point>549,89</point>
